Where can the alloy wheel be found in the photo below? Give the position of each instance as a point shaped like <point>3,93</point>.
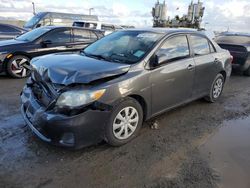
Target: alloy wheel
<point>125,123</point>
<point>20,67</point>
<point>218,86</point>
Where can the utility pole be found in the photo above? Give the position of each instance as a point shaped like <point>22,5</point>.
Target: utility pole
<point>34,9</point>
<point>90,9</point>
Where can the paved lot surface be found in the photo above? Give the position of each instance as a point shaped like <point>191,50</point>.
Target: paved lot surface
<point>187,150</point>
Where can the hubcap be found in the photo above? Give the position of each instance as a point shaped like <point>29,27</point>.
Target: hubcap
<point>20,67</point>
<point>217,88</point>
<point>125,123</point>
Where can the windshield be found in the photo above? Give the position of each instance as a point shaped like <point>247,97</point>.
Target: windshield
<point>32,35</point>
<point>33,21</point>
<point>123,46</point>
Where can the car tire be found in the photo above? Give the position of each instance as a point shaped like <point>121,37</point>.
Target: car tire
<point>247,72</point>
<point>125,122</point>
<point>19,66</point>
<point>216,88</point>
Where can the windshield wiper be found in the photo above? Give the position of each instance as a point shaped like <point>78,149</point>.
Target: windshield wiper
<point>96,56</point>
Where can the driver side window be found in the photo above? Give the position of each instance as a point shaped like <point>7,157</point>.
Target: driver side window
<point>174,48</point>
<point>58,36</point>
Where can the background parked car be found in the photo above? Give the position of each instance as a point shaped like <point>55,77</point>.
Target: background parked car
<point>10,31</point>
<point>15,55</point>
<point>105,27</point>
<point>238,45</point>
<point>55,19</point>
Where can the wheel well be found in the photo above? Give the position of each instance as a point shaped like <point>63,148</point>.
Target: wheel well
<point>142,102</point>
<point>224,74</point>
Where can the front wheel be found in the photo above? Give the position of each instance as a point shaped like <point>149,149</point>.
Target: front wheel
<point>216,88</point>
<point>125,122</point>
<point>19,66</point>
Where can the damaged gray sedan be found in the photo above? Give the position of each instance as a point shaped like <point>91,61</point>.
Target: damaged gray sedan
<point>106,91</point>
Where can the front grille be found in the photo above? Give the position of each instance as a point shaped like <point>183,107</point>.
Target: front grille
<point>41,94</point>
<point>43,91</point>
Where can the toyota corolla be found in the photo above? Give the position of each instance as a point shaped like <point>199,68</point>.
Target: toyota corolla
<point>106,91</point>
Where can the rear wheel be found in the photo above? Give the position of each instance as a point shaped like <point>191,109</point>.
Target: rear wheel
<point>125,122</point>
<point>216,88</point>
<point>19,66</point>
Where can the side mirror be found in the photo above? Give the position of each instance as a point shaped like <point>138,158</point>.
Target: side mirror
<point>45,43</point>
<point>38,25</point>
<point>154,61</point>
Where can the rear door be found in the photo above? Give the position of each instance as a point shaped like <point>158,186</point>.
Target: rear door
<point>82,38</point>
<point>172,81</point>
<point>58,40</point>
<point>205,63</point>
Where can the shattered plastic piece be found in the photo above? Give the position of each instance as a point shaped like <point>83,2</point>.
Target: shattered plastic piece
<point>155,125</point>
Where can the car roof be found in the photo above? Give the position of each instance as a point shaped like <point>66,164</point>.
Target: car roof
<point>68,27</point>
<point>168,30</point>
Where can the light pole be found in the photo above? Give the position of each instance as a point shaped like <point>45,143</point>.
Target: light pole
<point>90,9</point>
<point>34,9</point>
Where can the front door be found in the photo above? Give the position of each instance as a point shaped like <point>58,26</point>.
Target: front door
<point>172,81</point>
<point>58,40</point>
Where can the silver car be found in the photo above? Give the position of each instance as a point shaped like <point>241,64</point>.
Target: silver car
<point>106,91</point>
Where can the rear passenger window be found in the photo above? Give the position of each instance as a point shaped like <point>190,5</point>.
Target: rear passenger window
<point>200,45</point>
<point>81,35</point>
<point>174,48</point>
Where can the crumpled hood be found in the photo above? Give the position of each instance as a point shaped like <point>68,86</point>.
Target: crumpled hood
<point>73,68</point>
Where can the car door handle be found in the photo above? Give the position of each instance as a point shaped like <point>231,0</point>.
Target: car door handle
<point>69,46</point>
<point>190,67</point>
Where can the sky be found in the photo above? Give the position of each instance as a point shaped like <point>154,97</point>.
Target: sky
<point>219,14</point>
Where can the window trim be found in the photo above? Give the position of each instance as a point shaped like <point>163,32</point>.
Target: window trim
<point>174,59</point>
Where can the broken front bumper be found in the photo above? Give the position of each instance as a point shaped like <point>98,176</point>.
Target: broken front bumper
<point>76,131</point>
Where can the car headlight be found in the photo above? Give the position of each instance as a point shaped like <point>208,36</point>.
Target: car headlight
<point>77,98</point>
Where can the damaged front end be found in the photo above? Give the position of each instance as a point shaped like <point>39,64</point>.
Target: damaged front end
<point>72,126</point>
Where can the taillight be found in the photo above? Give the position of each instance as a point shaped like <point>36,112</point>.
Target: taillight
<point>231,59</point>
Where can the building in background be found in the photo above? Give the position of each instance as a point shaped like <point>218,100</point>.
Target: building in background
<point>192,19</point>
<point>159,13</point>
